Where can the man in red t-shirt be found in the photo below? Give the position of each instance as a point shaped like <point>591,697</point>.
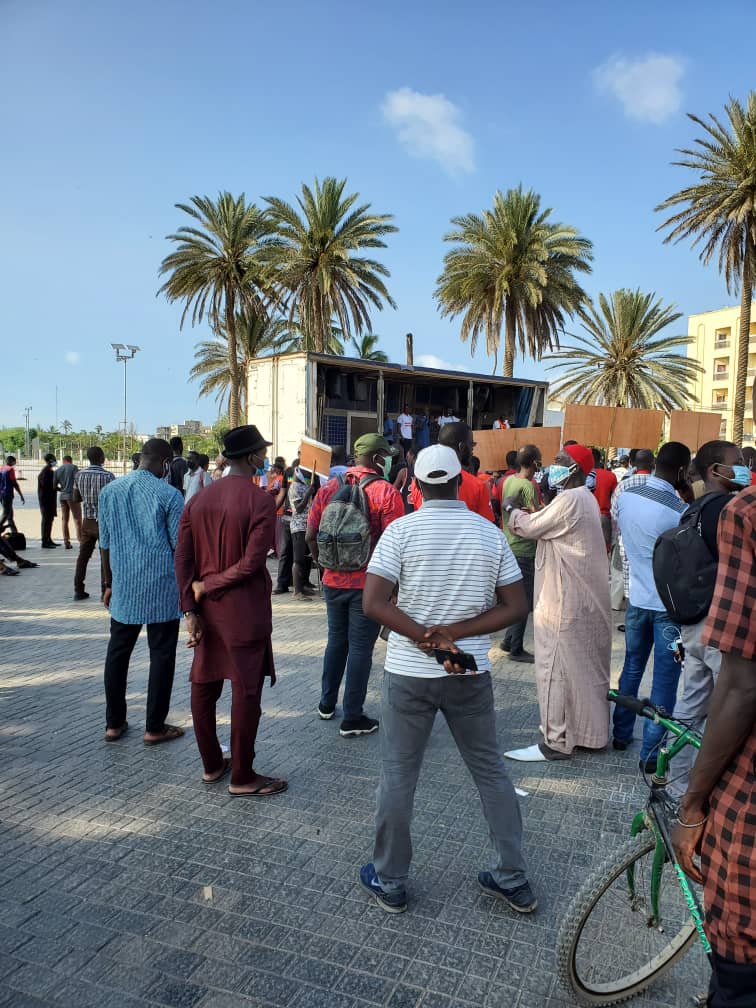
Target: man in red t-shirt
<point>472,491</point>
<point>8,485</point>
<point>351,635</point>
<point>606,484</point>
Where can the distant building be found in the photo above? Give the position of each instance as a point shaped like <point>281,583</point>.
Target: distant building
<point>714,344</point>
<point>187,429</point>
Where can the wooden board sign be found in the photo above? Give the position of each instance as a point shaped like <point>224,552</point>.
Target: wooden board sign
<point>314,456</point>
<point>694,429</point>
<point>613,426</point>
<point>491,446</point>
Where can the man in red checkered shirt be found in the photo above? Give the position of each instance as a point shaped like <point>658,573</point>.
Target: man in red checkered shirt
<point>718,812</point>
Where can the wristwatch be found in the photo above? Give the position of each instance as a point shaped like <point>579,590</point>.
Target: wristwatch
<point>189,612</point>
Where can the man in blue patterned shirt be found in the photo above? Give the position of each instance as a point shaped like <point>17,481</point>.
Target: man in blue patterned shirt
<point>139,517</point>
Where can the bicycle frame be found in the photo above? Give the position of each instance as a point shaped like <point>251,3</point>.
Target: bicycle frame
<point>652,818</point>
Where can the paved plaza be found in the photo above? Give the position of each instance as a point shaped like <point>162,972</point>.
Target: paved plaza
<point>126,882</point>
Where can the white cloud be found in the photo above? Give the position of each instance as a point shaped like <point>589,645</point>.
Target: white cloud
<point>428,126</point>
<point>648,87</point>
<point>72,357</point>
<point>431,361</point>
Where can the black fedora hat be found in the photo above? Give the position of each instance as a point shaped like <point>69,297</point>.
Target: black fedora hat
<point>244,440</point>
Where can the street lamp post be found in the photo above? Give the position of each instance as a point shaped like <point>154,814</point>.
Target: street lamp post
<point>27,451</point>
<point>123,355</point>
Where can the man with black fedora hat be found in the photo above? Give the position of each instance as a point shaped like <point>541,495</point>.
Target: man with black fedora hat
<point>224,538</point>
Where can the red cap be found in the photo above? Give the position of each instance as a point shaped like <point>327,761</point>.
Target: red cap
<point>582,455</point>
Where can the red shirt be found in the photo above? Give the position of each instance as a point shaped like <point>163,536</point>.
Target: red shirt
<point>606,484</point>
<point>386,505</point>
<point>474,493</point>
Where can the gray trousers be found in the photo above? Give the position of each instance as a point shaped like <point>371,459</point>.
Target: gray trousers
<point>700,671</point>
<point>407,714</point>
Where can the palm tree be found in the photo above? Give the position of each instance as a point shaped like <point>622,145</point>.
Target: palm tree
<point>626,361</point>
<point>256,336</point>
<point>98,430</point>
<point>366,348</point>
<point>67,426</point>
<point>720,211</point>
<point>312,260</point>
<point>513,267</point>
<point>213,271</point>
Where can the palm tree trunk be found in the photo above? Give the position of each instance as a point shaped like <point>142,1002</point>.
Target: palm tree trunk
<point>234,411</point>
<point>743,340</point>
<point>509,345</point>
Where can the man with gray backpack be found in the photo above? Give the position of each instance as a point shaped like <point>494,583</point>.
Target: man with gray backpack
<point>346,520</point>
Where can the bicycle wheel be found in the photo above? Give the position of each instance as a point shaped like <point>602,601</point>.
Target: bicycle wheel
<point>607,949</point>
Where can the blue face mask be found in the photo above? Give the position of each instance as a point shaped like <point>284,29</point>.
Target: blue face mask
<point>559,474</point>
<point>741,475</point>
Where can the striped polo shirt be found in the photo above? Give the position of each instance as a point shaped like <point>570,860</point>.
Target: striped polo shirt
<point>448,563</point>
<point>139,519</point>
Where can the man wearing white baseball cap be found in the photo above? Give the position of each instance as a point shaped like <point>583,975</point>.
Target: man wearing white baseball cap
<point>458,582</point>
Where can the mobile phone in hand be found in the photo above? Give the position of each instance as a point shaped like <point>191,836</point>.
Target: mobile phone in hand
<point>462,658</point>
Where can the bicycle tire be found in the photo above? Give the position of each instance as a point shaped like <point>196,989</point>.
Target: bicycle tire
<point>577,916</point>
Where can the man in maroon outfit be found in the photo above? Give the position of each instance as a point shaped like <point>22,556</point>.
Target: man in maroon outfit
<point>224,537</point>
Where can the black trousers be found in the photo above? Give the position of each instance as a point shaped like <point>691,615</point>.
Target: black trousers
<point>733,985</point>
<point>302,560</point>
<point>285,548</point>
<point>515,634</point>
<point>6,514</point>
<point>161,639</point>
<point>48,516</point>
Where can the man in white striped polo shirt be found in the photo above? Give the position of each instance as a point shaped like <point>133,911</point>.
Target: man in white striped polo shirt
<point>458,581</point>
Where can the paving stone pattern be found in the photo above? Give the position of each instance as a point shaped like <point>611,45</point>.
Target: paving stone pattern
<point>124,881</point>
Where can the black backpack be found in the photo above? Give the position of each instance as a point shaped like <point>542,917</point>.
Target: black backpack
<point>684,569</point>
<point>344,538</point>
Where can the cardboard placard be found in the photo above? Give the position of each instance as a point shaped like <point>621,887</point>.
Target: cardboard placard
<point>491,446</point>
<point>314,456</point>
<point>694,429</point>
<point>613,426</point>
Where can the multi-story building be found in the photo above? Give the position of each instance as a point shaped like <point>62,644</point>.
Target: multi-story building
<point>189,428</point>
<point>714,344</point>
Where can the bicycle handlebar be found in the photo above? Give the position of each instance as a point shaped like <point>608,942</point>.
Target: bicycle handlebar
<point>643,707</point>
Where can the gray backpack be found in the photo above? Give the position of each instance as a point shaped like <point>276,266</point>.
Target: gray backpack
<point>344,537</point>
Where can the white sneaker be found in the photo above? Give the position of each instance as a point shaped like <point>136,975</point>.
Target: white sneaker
<point>532,754</point>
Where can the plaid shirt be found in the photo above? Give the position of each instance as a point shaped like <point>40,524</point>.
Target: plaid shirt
<point>728,852</point>
<point>90,482</point>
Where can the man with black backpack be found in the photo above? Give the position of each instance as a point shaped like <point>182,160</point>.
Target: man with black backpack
<point>685,572</point>
<point>346,520</point>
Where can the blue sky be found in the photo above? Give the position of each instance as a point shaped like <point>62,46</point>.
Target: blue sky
<point>113,112</point>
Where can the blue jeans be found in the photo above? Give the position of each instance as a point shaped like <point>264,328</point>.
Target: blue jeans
<point>351,639</point>
<point>646,629</point>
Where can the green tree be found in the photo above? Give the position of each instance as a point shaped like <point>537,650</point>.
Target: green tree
<point>366,348</point>
<point>256,336</point>
<point>513,268</point>
<point>719,211</point>
<point>312,263</point>
<point>98,430</point>
<point>67,426</point>
<point>214,272</point>
<point>626,360</point>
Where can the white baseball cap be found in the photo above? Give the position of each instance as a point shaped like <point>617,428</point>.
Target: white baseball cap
<point>437,464</point>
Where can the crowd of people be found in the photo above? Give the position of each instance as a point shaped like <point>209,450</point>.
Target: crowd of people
<point>409,536</point>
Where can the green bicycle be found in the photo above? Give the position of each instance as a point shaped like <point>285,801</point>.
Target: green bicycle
<point>637,914</point>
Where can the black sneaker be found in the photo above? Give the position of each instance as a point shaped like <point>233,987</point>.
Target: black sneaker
<point>326,713</point>
<point>280,591</point>
<point>80,596</point>
<point>391,902</point>
<point>649,765</point>
<point>505,645</point>
<point>522,656</point>
<point>621,744</point>
<point>520,898</point>
<point>360,726</point>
